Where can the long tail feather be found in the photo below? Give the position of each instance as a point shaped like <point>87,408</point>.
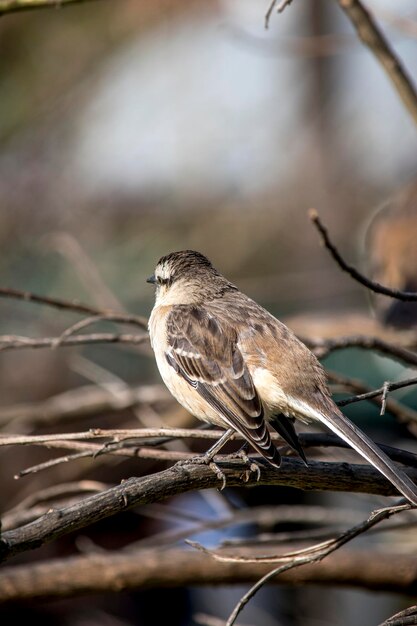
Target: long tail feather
<point>342,426</point>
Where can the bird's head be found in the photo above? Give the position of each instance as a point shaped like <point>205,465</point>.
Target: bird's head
<point>186,277</point>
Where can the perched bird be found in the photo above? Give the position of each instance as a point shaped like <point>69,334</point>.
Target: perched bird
<point>231,363</point>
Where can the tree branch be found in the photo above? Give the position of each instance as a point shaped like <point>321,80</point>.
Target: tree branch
<point>13,342</point>
<point>14,6</point>
<point>370,34</point>
<point>324,347</point>
<point>406,296</point>
<point>184,478</point>
<point>83,402</point>
<point>142,569</point>
<point>72,305</point>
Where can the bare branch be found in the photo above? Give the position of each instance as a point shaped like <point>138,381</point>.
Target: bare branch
<point>184,478</point>
<point>142,569</point>
<point>324,347</point>
<point>136,443</point>
<point>138,435</point>
<point>93,450</point>
<point>313,554</point>
<point>280,8</point>
<point>83,402</point>
<point>401,412</point>
<point>14,6</point>
<point>370,34</point>
<point>13,342</point>
<point>406,296</point>
<point>71,305</point>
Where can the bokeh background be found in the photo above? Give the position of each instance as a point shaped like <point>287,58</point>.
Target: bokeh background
<point>129,129</point>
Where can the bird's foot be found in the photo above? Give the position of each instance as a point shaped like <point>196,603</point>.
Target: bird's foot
<point>253,467</point>
<point>207,459</point>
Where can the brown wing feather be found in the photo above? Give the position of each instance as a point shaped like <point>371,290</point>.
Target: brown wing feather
<point>206,355</point>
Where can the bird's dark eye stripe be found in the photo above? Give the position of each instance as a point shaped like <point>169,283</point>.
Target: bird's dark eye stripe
<point>164,281</point>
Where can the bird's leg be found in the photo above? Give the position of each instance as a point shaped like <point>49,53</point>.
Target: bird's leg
<point>211,452</point>
<point>208,457</point>
<point>215,448</point>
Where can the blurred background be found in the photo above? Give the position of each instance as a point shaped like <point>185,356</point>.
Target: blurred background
<point>129,129</point>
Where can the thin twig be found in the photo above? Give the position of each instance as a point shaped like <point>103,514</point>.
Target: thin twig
<point>406,296</point>
<point>280,8</point>
<point>71,305</point>
<point>371,35</point>
<point>13,6</point>
<point>93,451</point>
<point>129,449</point>
<point>314,554</point>
<point>324,347</point>
<point>87,322</point>
<point>114,434</point>
<point>16,342</point>
<point>385,390</point>
<point>402,413</point>
<point>369,395</point>
<point>269,13</point>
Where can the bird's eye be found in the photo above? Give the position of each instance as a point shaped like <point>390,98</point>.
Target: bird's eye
<point>163,281</point>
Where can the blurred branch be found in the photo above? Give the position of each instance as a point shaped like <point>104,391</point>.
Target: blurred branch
<point>141,569</point>
<point>183,478</point>
<point>406,296</point>
<point>72,305</point>
<point>83,402</point>
<point>370,34</point>
<point>323,347</point>
<point>13,342</point>
<point>13,6</point>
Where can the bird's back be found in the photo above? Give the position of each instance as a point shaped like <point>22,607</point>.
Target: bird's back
<point>285,372</point>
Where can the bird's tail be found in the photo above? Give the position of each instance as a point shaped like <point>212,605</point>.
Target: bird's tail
<point>285,427</point>
<point>346,430</point>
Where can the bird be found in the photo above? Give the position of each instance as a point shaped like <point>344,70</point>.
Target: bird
<point>232,364</point>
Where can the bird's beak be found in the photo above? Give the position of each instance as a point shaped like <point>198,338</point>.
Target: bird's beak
<point>151,279</point>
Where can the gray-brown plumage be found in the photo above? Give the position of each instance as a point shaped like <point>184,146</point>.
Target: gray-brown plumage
<point>231,363</point>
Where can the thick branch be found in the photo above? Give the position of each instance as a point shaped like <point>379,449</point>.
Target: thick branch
<point>140,569</point>
<point>371,35</point>
<point>184,478</point>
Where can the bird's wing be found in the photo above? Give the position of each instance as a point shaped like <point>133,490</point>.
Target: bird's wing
<point>204,351</point>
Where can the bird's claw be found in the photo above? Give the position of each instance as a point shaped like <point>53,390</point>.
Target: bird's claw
<point>253,466</point>
<point>206,459</point>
